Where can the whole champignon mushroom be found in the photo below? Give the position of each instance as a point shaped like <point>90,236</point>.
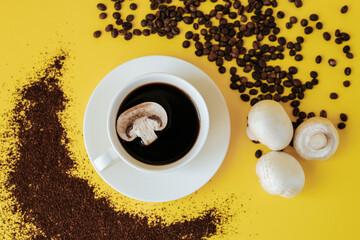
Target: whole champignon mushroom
<point>142,121</point>
<point>280,174</point>
<point>316,139</point>
<point>269,124</point>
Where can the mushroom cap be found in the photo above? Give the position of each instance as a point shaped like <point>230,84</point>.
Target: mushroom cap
<point>280,174</point>
<point>147,111</point>
<point>316,139</point>
<point>270,124</point>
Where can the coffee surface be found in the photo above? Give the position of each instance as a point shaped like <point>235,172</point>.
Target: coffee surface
<point>182,129</point>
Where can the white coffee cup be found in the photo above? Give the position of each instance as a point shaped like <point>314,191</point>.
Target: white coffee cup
<point>117,152</point>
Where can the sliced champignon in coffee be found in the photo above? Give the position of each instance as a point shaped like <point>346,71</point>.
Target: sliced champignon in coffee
<point>142,121</point>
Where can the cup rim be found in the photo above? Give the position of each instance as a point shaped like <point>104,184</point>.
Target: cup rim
<point>173,80</point>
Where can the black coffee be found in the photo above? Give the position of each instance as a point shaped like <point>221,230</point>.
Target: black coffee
<point>182,129</point>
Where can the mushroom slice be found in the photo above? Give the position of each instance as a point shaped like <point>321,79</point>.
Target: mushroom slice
<point>316,139</point>
<point>269,124</point>
<point>280,174</point>
<point>142,121</point>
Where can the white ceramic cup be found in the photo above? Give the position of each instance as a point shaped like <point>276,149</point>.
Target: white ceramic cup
<point>117,152</point>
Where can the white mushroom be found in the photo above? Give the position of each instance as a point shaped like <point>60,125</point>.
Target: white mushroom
<point>269,124</point>
<point>142,121</point>
<point>280,174</point>
<point>316,139</point>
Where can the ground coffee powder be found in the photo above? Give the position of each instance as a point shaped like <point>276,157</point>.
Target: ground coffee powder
<point>62,206</point>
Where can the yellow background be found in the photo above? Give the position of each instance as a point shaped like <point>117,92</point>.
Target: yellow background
<point>329,205</point>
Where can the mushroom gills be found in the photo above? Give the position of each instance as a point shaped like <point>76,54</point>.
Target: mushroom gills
<point>142,121</point>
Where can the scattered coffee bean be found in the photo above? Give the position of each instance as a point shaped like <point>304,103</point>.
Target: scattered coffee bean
<point>293,20</point>
<point>332,62</point>
<point>319,25</point>
<point>314,17</point>
<point>258,153</point>
<point>133,6</point>
<point>334,95</point>
<point>346,83</point>
<point>137,32</point>
<point>338,41</point>
<point>311,114</point>
<point>344,9</point>
<point>298,57</point>
<point>129,18</point>
<point>97,34</point>
<point>347,71</point>
<point>233,70</point>
<point>313,74</point>
<point>346,49</point>
<point>109,28</point>
<point>101,7</point>
<point>308,30</point>
<point>343,117</point>
<point>102,15</point>
<point>117,6</point>
<point>298,3</point>
<point>114,33</point>
<point>323,114</point>
<point>327,36</point>
<point>318,59</point>
<point>341,125</point>
<point>288,25</point>
<point>146,32</point>
<point>304,22</point>
<point>245,97</point>
<point>349,55</point>
<point>128,36</point>
<point>280,14</point>
<point>186,44</point>
<point>337,33</point>
<point>222,69</point>
<point>116,15</point>
<point>234,86</point>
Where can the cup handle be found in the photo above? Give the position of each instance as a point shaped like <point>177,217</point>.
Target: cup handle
<point>105,159</point>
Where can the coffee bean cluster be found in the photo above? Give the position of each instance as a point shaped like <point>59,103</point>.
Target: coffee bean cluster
<point>222,35</point>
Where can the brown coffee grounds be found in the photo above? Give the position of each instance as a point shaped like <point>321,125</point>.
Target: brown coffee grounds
<point>62,206</point>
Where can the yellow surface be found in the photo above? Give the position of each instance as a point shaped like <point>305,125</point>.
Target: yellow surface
<point>329,205</point>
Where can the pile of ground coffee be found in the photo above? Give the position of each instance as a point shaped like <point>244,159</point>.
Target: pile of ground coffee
<point>62,206</point>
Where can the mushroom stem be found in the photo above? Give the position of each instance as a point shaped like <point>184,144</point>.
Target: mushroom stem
<point>144,128</point>
<point>318,141</point>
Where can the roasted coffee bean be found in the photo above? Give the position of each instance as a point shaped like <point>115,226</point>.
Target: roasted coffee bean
<point>334,95</point>
<point>97,34</point>
<point>298,57</point>
<point>117,6</point>
<point>343,117</point>
<point>146,32</point>
<point>159,23</point>
<point>293,20</point>
<point>234,86</point>
<point>186,44</point>
<point>332,62</point>
<point>298,3</point>
<point>129,18</point>
<point>116,15</point>
<point>245,97</point>
<point>288,25</point>
<point>102,15</point>
<point>122,32</point>
<point>188,20</point>
<point>313,74</point>
<point>337,33</point>
<point>133,6</point>
<point>347,71</point>
<point>293,70</point>
<point>128,36</point>
<point>280,14</point>
<point>119,22</point>
<point>258,153</point>
<point>338,40</point>
<point>311,114</point>
<point>308,30</point>
<point>314,17</point>
<point>319,25</point>
<point>318,59</point>
<point>233,70</point>
<point>344,36</point>
<point>304,22</point>
<point>295,103</point>
<point>127,25</point>
<point>299,40</point>
<point>114,33</point>
<point>101,7</point>
<point>346,83</point>
<point>327,36</point>
<point>346,49</point>
<point>137,32</point>
<point>188,35</point>
<point>253,92</point>
<point>344,9</point>
<point>341,125</point>
<point>323,114</point>
<point>349,55</point>
<point>222,69</point>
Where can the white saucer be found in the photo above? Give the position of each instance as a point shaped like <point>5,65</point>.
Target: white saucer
<point>160,187</point>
